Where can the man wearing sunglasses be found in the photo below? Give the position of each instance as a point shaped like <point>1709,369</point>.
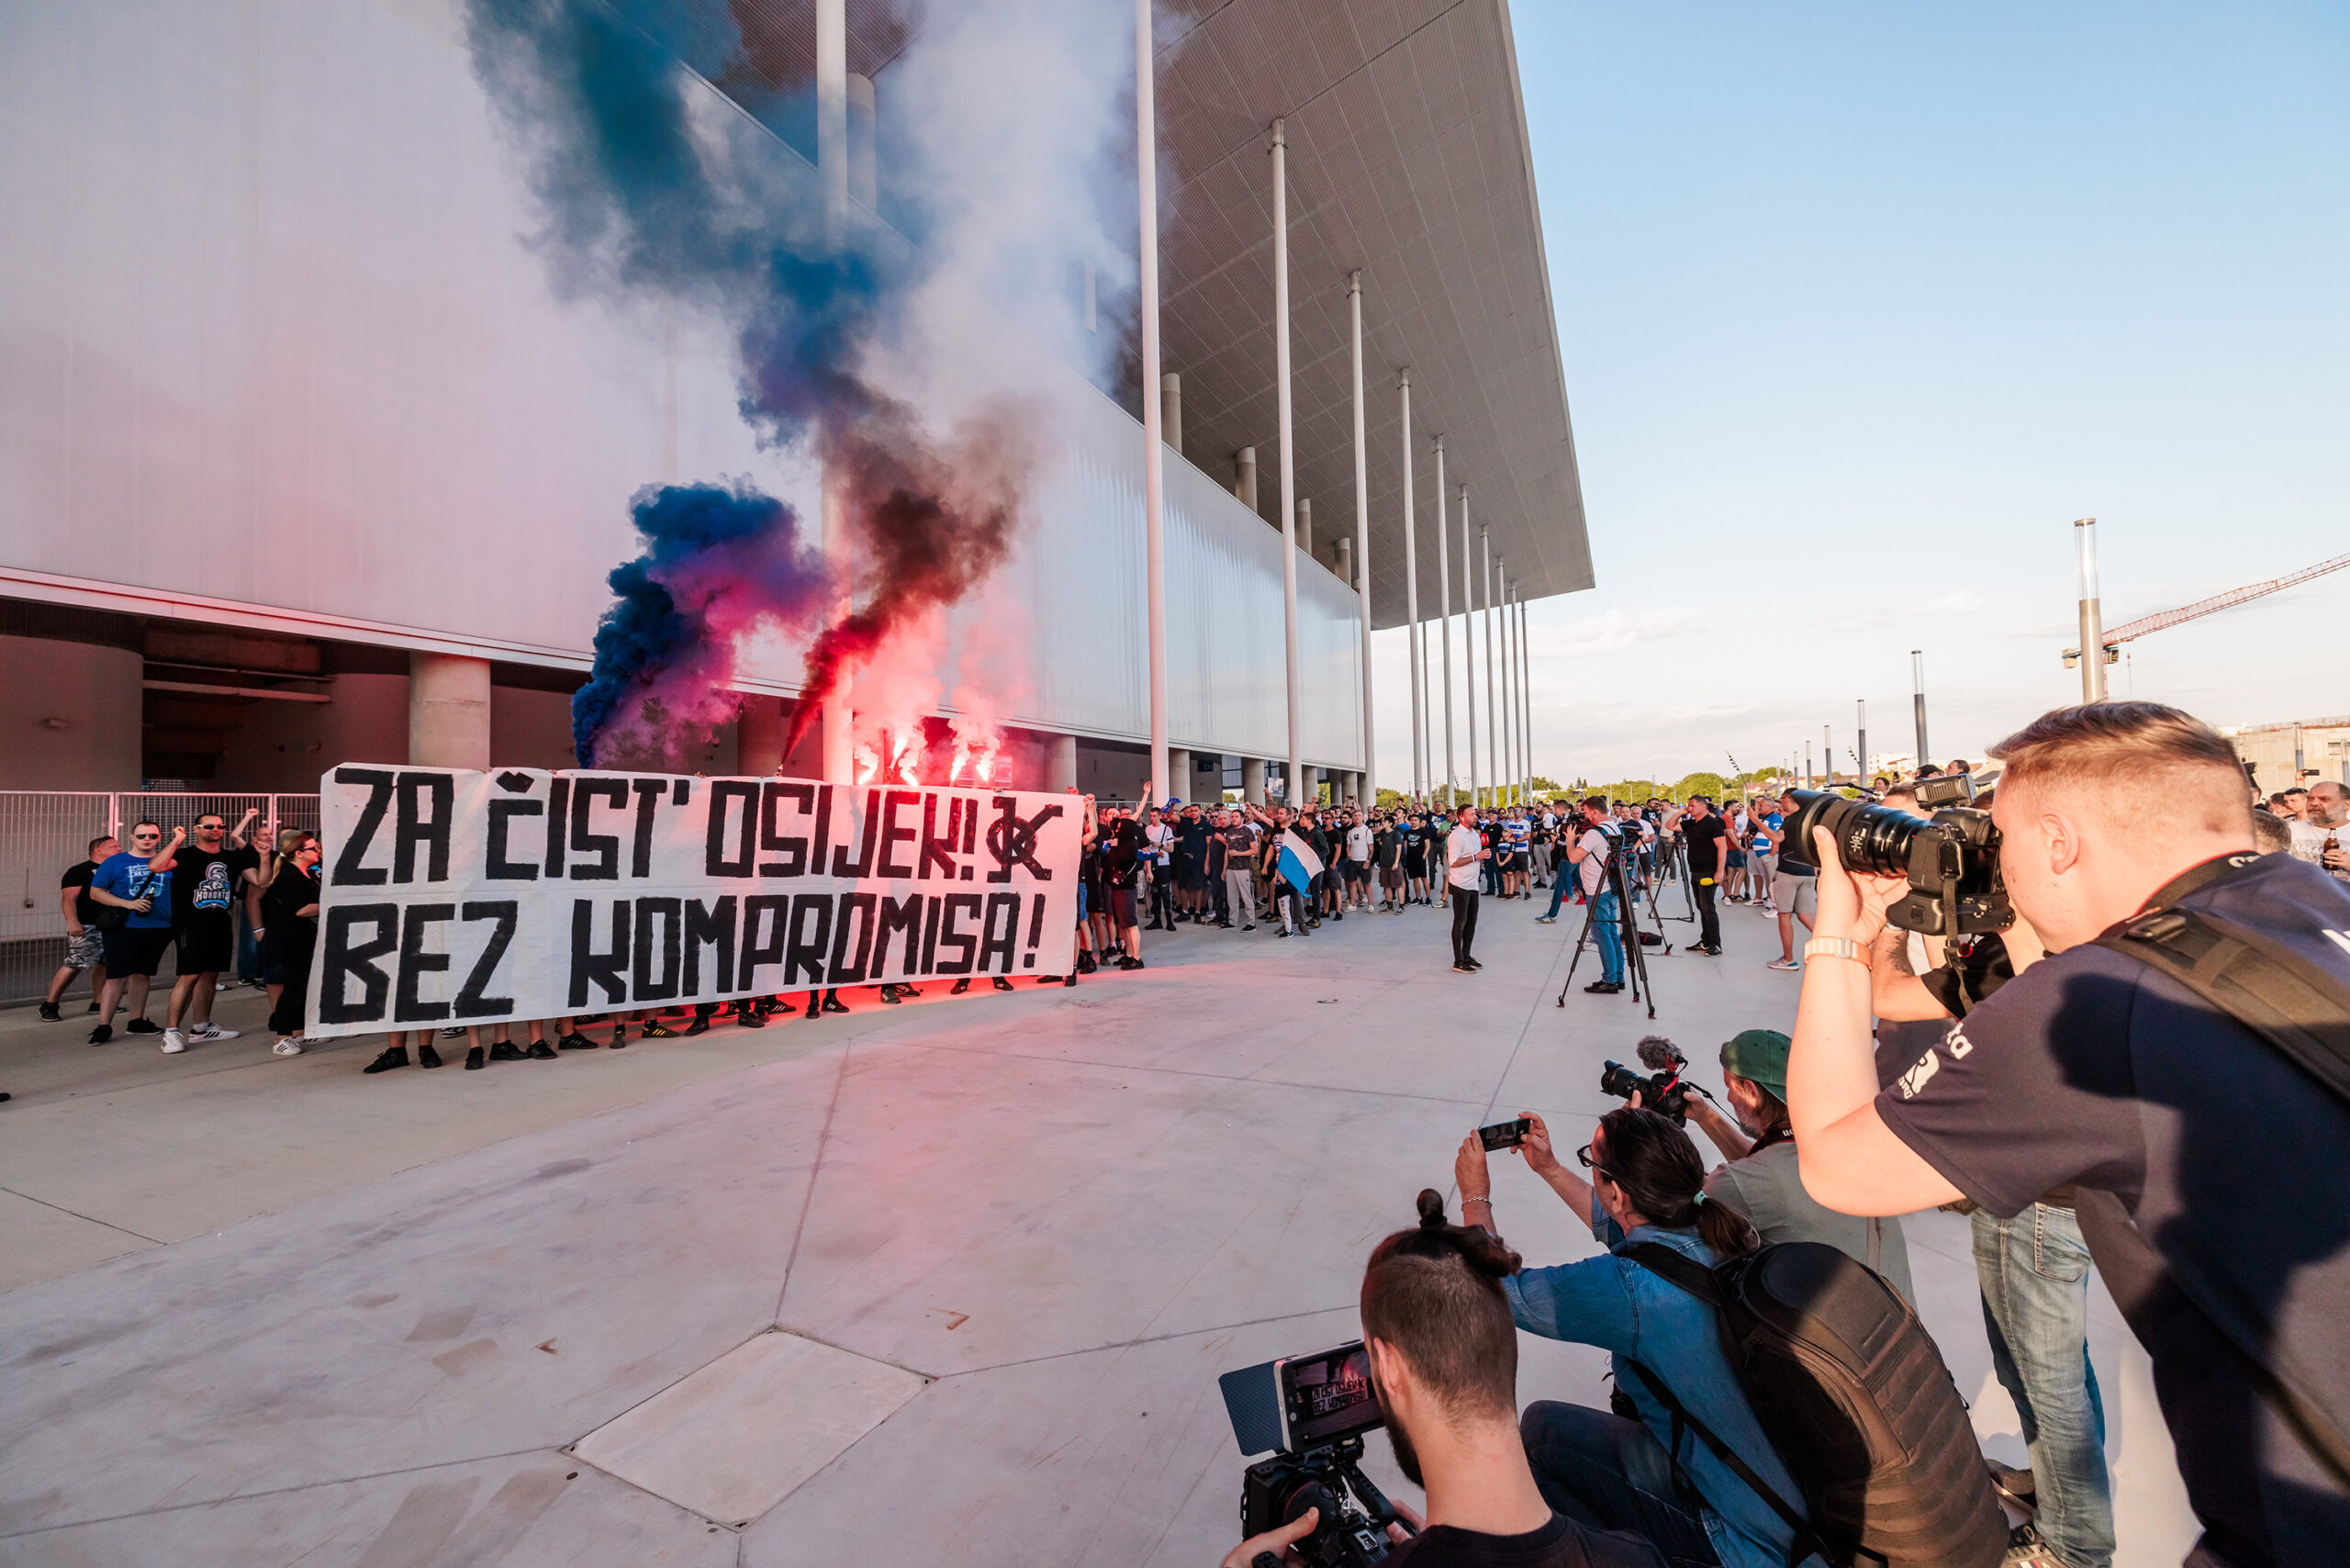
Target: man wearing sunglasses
<point>135,920</point>
<point>206,875</point>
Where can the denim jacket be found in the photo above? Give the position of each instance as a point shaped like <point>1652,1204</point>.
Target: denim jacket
<point>1616,1305</point>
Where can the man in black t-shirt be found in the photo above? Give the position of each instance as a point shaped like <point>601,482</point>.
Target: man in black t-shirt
<point>1707,843</point>
<point>84,948</point>
<point>207,876</point>
<point>1442,1350</point>
<point>1121,863</point>
<point>2205,1162</point>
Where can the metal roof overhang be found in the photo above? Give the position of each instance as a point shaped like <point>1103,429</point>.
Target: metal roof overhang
<point>1408,158</point>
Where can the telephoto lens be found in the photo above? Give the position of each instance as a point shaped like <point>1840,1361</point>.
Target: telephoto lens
<point>1951,859</point>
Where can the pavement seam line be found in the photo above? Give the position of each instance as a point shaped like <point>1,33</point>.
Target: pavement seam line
<point>1143,1340</point>
<point>282,1491</point>
<point>61,1208</point>
<point>815,1174</point>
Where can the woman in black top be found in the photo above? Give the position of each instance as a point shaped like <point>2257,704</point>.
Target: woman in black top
<point>289,934</point>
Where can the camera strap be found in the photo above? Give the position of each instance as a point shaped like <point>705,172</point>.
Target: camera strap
<point>2300,1010</point>
<point>1687,1275</point>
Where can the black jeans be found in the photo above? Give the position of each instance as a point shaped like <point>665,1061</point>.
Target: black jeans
<point>1464,923</point>
<point>1610,1474</point>
<point>1709,924</point>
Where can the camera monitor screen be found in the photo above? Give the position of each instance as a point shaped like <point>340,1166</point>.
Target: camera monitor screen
<point>1327,1396</point>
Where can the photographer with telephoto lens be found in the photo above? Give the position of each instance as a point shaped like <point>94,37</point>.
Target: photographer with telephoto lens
<point>1642,1468</point>
<point>2177,1059</point>
<point>1444,1361</point>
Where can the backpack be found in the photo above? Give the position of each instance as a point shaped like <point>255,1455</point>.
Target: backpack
<point>1852,1392</point>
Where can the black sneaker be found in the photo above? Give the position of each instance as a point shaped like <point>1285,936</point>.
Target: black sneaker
<point>539,1051</point>
<point>426,1056</point>
<point>834,1004</point>
<point>583,1019</point>
<point>476,1060</point>
<point>1129,963</point>
<point>142,1027</point>
<point>1069,980</point>
<point>890,994</point>
<point>1464,969</point>
<point>657,1030</point>
<point>620,1039</point>
<point>700,1025</point>
<point>504,1050</point>
<point>396,1057</point>
<point>1312,923</point>
<point>1250,927</point>
<point>92,1008</point>
<point>49,1014</point>
<point>815,1004</point>
<point>101,1035</point>
<point>1604,988</point>
<point>960,987</point>
<point>575,1041</point>
<point>1001,984</point>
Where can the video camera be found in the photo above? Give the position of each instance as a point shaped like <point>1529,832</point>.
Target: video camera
<point>1667,1092</point>
<point>1952,858</point>
<point>1310,1413</point>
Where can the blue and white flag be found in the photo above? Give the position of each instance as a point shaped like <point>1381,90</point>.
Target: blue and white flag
<point>1299,864</point>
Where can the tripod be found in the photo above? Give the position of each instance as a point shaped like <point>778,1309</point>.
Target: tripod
<point>1673,865</point>
<point>1636,963</point>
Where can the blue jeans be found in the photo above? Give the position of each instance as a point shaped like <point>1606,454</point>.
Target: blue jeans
<point>1606,1472</point>
<point>1562,884</point>
<point>2034,1272</point>
<point>1607,919</point>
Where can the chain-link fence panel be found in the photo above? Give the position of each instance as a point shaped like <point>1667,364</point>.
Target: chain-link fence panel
<point>41,834</point>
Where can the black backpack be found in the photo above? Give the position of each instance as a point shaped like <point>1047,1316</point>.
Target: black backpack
<point>1852,1392</point>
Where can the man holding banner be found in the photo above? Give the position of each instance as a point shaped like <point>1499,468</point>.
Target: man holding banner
<point>1298,865</point>
<point>456,898</point>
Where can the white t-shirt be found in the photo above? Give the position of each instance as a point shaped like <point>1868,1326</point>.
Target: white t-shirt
<point>1459,842</point>
<point>1595,845</point>
<point>2309,844</point>
<point>1162,841</point>
<point>1358,842</point>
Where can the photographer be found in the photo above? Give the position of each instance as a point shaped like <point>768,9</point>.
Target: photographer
<point>2191,1140</point>
<point>1588,852</point>
<point>1642,1469</point>
<point>1761,1180</point>
<point>1444,1361</point>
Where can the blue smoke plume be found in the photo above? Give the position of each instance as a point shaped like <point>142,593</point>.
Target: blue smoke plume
<point>717,561</point>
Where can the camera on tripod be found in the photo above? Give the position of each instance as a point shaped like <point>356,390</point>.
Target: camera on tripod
<point>1311,1412</point>
<point>1952,858</point>
<point>1666,1093</point>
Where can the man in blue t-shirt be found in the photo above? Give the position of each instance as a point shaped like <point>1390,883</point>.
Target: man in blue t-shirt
<point>136,900</point>
<point>2205,1162</point>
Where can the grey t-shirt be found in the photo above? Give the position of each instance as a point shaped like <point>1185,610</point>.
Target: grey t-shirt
<point>1765,1188</point>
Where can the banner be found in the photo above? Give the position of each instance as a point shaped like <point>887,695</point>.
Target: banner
<point>453,896</point>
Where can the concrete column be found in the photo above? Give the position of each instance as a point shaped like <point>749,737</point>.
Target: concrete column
<point>1305,527</point>
<point>1281,409</point>
<point>864,167</point>
<point>1419,636</point>
<point>1444,616</point>
<point>832,111</point>
<point>1179,778</point>
<point>1509,684</point>
<point>1526,695</point>
<point>1252,780</point>
<point>1154,455</point>
<point>448,711</point>
<point>1358,550</point>
<point>1244,476</point>
<point>1060,762</point>
<point>1493,708</point>
<point>759,732</point>
<point>1170,411</point>
<point>1469,648</point>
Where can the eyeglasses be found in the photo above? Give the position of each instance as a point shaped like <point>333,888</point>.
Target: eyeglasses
<point>1592,1165</point>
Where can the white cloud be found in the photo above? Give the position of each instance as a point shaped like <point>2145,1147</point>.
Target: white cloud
<point>1615,630</point>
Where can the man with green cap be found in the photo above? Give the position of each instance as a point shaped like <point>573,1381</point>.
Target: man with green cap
<point>1761,1180</point>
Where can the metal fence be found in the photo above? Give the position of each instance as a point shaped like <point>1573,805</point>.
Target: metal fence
<point>44,832</point>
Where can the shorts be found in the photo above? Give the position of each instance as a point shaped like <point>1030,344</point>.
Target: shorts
<point>1356,871</point>
<point>1738,859</point>
<point>1080,900</point>
<point>207,942</point>
<point>1390,877</point>
<point>1794,893</point>
<point>136,950</point>
<point>86,949</point>
<point>1122,908</point>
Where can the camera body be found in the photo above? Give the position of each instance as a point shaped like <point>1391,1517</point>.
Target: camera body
<point>1952,858</point>
<point>1312,1411</point>
<point>1666,1093</point>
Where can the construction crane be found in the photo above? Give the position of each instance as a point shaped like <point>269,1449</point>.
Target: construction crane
<point>2117,635</point>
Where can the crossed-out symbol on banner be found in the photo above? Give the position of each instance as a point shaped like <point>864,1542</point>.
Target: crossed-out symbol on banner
<point>1014,842</point>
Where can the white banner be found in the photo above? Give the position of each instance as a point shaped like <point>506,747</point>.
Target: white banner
<point>455,897</point>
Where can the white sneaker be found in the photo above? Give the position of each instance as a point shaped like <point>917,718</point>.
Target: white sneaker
<point>210,1031</point>
<point>291,1046</point>
<point>174,1042</point>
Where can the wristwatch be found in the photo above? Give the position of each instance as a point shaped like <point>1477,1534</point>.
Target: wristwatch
<point>1839,948</point>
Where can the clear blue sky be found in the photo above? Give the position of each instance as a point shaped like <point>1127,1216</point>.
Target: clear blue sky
<point>1861,305</point>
